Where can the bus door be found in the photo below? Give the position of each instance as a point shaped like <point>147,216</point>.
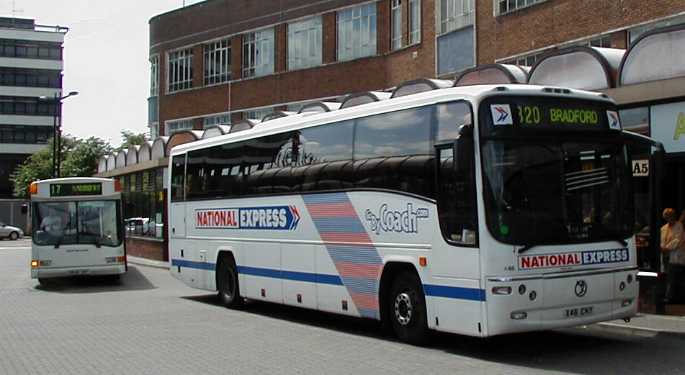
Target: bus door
<point>646,158</point>
<point>177,212</point>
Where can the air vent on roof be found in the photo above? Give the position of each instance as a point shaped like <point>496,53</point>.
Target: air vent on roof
<point>419,85</point>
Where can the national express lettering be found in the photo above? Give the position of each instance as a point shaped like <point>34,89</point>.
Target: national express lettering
<point>257,218</point>
<point>574,259</point>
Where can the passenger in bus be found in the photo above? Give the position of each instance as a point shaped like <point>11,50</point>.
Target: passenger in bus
<point>52,224</point>
<point>673,245</point>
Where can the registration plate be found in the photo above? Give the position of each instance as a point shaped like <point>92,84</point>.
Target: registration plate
<point>79,272</point>
<point>578,312</point>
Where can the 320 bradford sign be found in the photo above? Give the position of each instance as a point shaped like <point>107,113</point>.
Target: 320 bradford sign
<point>269,218</point>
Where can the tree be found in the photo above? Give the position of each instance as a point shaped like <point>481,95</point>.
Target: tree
<point>129,138</point>
<point>79,159</point>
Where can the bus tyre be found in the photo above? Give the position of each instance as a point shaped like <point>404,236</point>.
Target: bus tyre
<point>407,309</point>
<point>44,282</point>
<point>14,236</point>
<point>227,283</point>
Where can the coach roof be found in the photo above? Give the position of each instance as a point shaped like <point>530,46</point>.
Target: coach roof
<point>471,93</point>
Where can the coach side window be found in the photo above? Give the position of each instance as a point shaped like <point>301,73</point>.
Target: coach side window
<point>326,150</point>
<point>449,117</point>
<point>177,177</point>
<point>392,151</point>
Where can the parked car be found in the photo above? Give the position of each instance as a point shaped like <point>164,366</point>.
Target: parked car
<point>139,225</point>
<point>8,231</point>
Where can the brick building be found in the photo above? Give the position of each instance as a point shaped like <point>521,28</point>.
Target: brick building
<point>223,60</point>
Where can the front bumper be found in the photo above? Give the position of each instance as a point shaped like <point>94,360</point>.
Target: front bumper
<point>49,272</point>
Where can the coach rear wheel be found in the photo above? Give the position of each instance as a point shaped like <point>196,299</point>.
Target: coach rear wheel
<point>227,283</point>
<point>407,309</point>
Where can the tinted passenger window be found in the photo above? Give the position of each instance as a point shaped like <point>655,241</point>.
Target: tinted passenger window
<point>393,134</point>
<point>449,118</point>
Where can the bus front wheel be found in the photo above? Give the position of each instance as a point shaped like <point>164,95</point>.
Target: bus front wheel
<point>407,309</point>
<point>227,283</point>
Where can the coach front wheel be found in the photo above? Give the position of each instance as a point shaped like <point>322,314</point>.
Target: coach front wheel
<point>407,309</point>
<point>227,283</point>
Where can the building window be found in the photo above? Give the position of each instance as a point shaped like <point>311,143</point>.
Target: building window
<point>304,43</point>
<point>25,134</point>
<point>180,70</point>
<point>508,6</point>
<point>455,14</point>
<point>30,49</point>
<point>258,114</point>
<point>222,119</point>
<point>602,42</point>
<point>154,75</point>
<point>30,77</point>
<point>258,53</point>
<point>456,51</point>
<point>396,22</point>
<point>217,62</point>
<point>357,32</point>
<point>414,21</point>
<point>177,126</point>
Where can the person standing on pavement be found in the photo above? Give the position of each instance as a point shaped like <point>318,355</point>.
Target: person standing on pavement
<point>673,245</point>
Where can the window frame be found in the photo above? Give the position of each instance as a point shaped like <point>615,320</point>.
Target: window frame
<point>179,70</point>
<point>347,50</point>
<point>396,25</point>
<point>296,29</point>
<point>414,34</point>
<point>253,63</point>
<point>213,73</point>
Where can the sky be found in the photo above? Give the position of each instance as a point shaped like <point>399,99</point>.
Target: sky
<point>106,53</point>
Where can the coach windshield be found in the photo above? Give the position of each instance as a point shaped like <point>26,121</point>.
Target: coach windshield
<point>554,172</point>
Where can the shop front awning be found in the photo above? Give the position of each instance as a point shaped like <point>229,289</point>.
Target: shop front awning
<point>492,74</point>
<point>656,55</point>
<point>580,67</point>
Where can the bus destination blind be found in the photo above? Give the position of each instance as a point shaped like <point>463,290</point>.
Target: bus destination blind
<point>65,190</point>
<point>551,116</point>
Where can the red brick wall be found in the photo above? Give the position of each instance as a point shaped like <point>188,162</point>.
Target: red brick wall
<point>384,70</point>
<point>558,21</point>
<point>148,249</point>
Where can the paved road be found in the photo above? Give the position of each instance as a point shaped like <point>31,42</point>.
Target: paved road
<point>151,324</point>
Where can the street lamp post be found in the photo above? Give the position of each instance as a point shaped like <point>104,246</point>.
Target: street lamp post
<point>57,130</point>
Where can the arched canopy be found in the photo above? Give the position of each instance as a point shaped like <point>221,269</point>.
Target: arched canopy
<point>111,162</point>
<point>656,55</point>
<point>580,67</point>
<point>215,131</point>
<point>182,137</point>
<point>319,107</point>
<point>354,100</point>
<point>102,164</point>
<point>419,85</point>
<point>242,125</point>
<point>492,74</point>
<point>159,148</point>
<point>121,158</point>
<point>132,154</point>
<point>145,152</point>
<point>276,114</point>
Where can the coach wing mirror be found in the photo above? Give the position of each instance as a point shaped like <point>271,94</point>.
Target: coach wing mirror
<point>464,149</point>
<point>24,209</point>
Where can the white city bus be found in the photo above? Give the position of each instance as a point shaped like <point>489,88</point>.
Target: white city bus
<point>77,228</point>
<point>477,210</point>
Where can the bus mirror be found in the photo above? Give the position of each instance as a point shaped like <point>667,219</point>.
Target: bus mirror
<point>24,208</point>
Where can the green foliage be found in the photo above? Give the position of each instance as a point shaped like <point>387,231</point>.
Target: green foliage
<point>129,138</point>
<point>79,159</point>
